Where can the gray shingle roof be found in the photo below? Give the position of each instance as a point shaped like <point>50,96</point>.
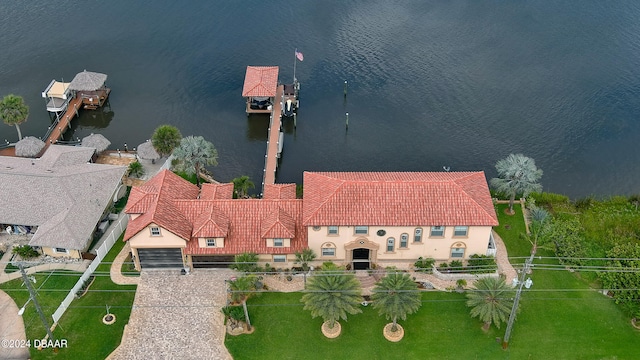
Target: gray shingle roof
<point>61,193</point>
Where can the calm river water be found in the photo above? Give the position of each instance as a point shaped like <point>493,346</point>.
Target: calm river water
<point>431,83</point>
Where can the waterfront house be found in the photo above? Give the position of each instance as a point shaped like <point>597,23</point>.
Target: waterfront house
<point>392,218</point>
<point>356,219</point>
<point>60,198</point>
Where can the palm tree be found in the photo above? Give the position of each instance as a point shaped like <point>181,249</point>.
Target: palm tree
<point>136,169</point>
<point>332,295</point>
<point>241,185</point>
<point>518,174</point>
<point>396,296</point>
<point>245,262</point>
<point>491,301</point>
<point>303,258</point>
<point>14,111</point>
<point>193,154</point>
<point>538,224</point>
<point>165,138</point>
<point>242,289</point>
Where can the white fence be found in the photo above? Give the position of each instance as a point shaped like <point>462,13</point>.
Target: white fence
<point>113,233</point>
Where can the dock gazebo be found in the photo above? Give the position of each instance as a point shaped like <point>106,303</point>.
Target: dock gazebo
<point>260,85</point>
<point>90,87</point>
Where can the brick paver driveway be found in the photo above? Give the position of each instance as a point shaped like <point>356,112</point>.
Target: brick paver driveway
<point>177,317</point>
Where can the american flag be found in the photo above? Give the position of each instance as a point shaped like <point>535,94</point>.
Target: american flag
<point>299,55</point>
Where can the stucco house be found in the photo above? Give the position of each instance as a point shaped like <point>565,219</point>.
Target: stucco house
<point>174,224</point>
<point>60,197</point>
<point>355,218</point>
<point>392,218</point>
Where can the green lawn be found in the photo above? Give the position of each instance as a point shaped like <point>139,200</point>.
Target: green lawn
<point>560,318</point>
<point>87,337</point>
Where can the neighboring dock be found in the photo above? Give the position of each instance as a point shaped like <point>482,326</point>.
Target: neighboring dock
<point>58,128</point>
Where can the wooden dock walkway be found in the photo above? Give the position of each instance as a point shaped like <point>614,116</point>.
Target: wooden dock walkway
<point>275,122</point>
<point>64,123</point>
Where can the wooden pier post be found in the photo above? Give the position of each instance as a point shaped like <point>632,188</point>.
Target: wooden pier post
<point>294,121</point>
<point>346,86</point>
<point>347,121</point>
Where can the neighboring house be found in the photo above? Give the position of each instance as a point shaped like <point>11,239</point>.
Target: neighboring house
<point>391,218</point>
<point>173,224</point>
<point>60,197</point>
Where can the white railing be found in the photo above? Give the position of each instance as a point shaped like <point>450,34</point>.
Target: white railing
<point>492,249</point>
<point>113,233</point>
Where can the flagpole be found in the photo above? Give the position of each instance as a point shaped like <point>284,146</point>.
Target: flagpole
<point>295,61</point>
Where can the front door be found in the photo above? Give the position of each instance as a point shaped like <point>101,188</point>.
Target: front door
<point>360,259</point>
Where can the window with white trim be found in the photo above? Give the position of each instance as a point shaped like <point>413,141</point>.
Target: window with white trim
<point>155,231</point>
<point>60,251</point>
<point>404,240</point>
<point>211,242</point>
<point>332,230</point>
<point>328,252</point>
<point>417,235</point>
<point>391,244</point>
<point>279,258</point>
<point>457,252</point>
<point>361,230</point>
<point>460,231</point>
<point>278,242</point>
<point>437,231</point>
<point>328,249</point>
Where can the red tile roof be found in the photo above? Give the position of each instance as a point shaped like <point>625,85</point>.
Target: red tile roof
<point>279,191</point>
<point>154,200</point>
<point>397,199</point>
<point>260,81</point>
<point>217,191</point>
<point>211,223</point>
<point>278,224</point>
<point>245,225</point>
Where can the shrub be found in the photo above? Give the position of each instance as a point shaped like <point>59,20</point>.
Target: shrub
<point>456,266</point>
<point>246,262</point>
<point>481,264</point>
<point>136,169</point>
<point>443,265</point>
<point>424,265</point>
<point>25,251</point>
<point>584,203</point>
<point>546,199</point>
<point>461,283</point>
<point>233,312</point>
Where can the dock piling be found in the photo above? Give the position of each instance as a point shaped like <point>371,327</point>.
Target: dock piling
<point>347,120</point>
<point>346,86</point>
<point>294,121</point>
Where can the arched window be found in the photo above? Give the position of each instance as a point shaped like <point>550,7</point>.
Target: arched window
<point>458,249</point>
<point>328,250</point>
<point>404,240</point>
<point>391,244</point>
<point>417,235</point>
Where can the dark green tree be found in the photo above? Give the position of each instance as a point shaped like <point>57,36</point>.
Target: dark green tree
<point>165,138</point>
<point>332,295</point>
<point>303,258</point>
<point>241,186</point>
<point>245,262</point>
<point>14,112</point>
<point>136,169</point>
<point>242,289</point>
<point>396,296</point>
<point>490,301</point>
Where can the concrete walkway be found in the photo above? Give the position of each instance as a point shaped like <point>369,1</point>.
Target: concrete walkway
<point>116,267</point>
<point>11,329</point>
<point>177,317</point>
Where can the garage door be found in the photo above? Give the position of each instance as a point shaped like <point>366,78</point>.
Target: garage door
<point>160,258</point>
<point>221,261</point>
